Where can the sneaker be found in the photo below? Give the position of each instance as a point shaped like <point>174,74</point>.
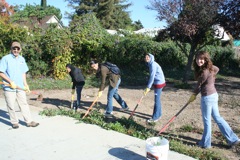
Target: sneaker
<point>108,115</point>
<point>152,121</point>
<point>76,108</point>
<point>235,143</point>
<point>32,124</point>
<point>15,126</point>
<point>198,144</point>
<point>124,109</point>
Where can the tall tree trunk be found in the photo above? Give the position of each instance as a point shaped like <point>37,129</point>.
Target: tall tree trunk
<point>188,68</point>
<point>44,3</point>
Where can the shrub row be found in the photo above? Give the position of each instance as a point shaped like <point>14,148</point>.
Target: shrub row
<point>48,51</point>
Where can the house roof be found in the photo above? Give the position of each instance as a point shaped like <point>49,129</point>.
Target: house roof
<point>44,22</point>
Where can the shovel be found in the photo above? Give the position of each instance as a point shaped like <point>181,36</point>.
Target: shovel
<point>39,98</point>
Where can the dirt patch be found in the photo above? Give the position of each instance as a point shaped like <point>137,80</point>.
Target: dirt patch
<point>173,100</point>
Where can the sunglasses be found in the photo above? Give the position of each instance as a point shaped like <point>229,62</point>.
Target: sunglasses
<point>16,48</point>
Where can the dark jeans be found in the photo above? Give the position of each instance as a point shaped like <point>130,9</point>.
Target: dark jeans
<point>79,92</point>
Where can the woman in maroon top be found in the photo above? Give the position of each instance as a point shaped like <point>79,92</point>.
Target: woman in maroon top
<point>205,74</point>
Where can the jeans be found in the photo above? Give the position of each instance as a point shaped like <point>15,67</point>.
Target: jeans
<point>79,92</point>
<point>157,111</point>
<point>113,92</point>
<point>209,107</point>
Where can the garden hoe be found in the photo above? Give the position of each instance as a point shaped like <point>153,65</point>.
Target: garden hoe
<point>39,98</point>
<point>172,119</point>
<point>130,117</point>
<point>90,108</point>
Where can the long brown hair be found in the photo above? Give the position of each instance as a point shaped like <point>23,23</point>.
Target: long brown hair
<point>207,65</point>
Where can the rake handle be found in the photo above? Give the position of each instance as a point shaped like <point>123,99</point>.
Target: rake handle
<point>172,119</point>
<point>135,108</point>
<point>90,108</point>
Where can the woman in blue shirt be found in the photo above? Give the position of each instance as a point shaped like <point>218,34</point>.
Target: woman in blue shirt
<point>157,79</point>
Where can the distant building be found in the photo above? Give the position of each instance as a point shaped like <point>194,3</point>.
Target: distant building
<point>43,23</point>
<point>220,33</point>
<point>151,32</point>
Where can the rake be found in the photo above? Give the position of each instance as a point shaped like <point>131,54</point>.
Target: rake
<point>172,119</point>
<point>89,109</point>
<point>136,107</point>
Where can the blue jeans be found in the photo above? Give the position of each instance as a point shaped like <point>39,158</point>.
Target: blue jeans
<point>113,92</point>
<point>79,92</point>
<point>209,107</point>
<point>157,111</point>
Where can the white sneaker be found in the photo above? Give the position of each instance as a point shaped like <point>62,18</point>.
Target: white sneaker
<point>108,115</point>
<point>235,143</point>
<point>152,121</point>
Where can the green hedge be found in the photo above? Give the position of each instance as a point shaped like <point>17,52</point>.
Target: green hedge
<point>48,51</point>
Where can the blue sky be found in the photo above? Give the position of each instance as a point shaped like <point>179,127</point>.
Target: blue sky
<point>138,11</point>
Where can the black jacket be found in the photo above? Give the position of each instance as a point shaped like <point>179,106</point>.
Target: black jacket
<point>77,76</point>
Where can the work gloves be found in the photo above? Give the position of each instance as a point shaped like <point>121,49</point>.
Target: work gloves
<point>146,91</point>
<point>192,98</point>
<point>13,85</point>
<point>26,88</point>
<point>99,94</point>
<point>73,91</point>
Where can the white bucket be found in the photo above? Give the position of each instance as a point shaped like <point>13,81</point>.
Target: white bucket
<point>157,148</point>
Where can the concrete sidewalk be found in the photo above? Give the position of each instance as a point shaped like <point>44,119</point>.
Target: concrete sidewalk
<point>62,138</point>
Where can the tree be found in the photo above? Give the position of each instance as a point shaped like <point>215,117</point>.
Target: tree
<point>229,17</point>
<point>10,33</point>
<point>24,12</point>
<point>120,15</point>
<point>5,10</point>
<point>189,22</point>
<point>88,38</point>
<point>137,25</point>
<point>112,14</point>
<point>43,3</point>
